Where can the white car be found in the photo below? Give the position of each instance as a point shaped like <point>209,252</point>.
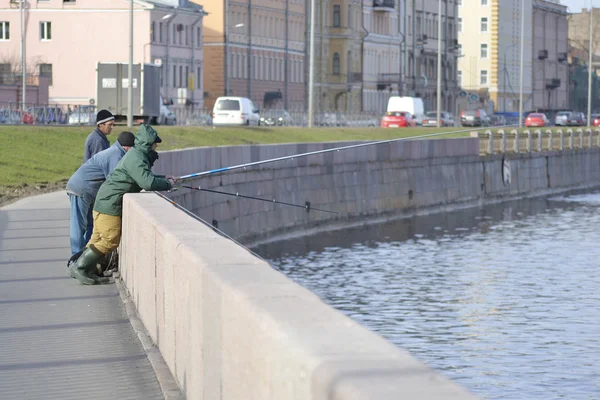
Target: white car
<point>235,111</point>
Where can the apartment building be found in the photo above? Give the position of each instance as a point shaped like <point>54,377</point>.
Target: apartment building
<point>66,39</point>
<point>256,49</point>
<point>550,75</point>
<point>489,65</point>
<point>368,50</point>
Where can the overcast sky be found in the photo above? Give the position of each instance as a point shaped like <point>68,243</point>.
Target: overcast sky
<point>577,5</point>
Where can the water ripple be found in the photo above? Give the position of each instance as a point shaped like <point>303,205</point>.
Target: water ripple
<point>504,300</point>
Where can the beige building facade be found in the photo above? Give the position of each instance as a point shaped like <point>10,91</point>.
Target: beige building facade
<point>490,42</point>
<point>65,40</point>
<point>489,65</point>
<point>256,49</point>
<point>368,50</point>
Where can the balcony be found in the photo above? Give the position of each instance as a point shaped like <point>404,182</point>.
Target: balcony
<point>562,57</point>
<point>355,77</point>
<point>384,5</point>
<point>552,83</point>
<point>387,79</point>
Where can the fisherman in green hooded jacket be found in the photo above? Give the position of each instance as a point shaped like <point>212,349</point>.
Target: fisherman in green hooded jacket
<point>132,174</point>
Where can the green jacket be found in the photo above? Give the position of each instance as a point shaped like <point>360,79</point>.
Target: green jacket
<point>132,174</point>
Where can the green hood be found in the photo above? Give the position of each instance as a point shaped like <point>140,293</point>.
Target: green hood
<point>145,138</point>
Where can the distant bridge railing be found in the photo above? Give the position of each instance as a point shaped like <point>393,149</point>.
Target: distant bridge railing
<point>537,140</point>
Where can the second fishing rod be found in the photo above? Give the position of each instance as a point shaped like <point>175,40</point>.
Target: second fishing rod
<point>310,153</point>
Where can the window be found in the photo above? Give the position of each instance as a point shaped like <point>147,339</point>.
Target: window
<point>187,35</point>
<point>198,37</point>
<point>4,30</point>
<point>160,32</point>
<point>174,33</point>
<point>46,70</point>
<point>459,2</point>
<point>349,15</point>
<point>336,63</point>
<point>459,27</point>
<point>181,76</point>
<point>484,24</point>
<point>484,2</point>
<point>198,78</point>
<point>484,50</point>
<point>46,30</point>
<point>152,33</point>
<point>174,75</point>
<point>336,16</point>
<point>459,78</point>
<point>483,78</point>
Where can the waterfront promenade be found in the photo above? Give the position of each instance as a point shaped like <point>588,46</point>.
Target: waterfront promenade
<point>59,339</point>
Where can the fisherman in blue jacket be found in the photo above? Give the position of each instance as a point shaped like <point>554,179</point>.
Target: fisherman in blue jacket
<point>84,184</point>
<point>97,140</point>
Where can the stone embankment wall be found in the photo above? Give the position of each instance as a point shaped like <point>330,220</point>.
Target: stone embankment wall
<point>363,184</point>
<point>231,327</point>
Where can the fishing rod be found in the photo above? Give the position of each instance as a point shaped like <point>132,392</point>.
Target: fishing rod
<point>307,205</point>
<point>310,153</point>
<point>197,218</point>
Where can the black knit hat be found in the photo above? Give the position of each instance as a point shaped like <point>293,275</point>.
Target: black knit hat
<point>104,116</point>
<point>126,139</point>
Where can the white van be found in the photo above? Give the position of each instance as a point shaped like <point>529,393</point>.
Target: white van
<point>413,105</point>
<point>235,111</point>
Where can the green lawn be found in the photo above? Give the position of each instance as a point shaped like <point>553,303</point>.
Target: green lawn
<point>39,155</point>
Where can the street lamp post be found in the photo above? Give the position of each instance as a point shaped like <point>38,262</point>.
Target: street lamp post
<point>311,68</point>
<point>23,63</point>
<point>589,105</point>
<point>130,69</point>
<point>439,65</point>
<point>522,62</point>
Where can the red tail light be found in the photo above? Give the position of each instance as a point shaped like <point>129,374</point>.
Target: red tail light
<point>478,114</point>
<point>462,113</point>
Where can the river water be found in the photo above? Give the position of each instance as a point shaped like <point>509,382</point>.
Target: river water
<point>504,300</point>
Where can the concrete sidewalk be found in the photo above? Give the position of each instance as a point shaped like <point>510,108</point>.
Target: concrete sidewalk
<point>60,339</point>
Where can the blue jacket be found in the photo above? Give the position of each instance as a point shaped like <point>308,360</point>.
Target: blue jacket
<point>86,181</point>
<point>95,143</point>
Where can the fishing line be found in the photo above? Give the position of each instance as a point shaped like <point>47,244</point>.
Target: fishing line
<point>197,218</point>
<point>307,206</point>
<point>310,153</point>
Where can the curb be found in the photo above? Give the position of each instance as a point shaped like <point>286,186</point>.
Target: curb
<point>168,384</point>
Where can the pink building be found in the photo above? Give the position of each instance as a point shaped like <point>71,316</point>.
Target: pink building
<point>66,39</point>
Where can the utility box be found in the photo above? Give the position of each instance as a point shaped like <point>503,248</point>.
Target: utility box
<point>113,85</point>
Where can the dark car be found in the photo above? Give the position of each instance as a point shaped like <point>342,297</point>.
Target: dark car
<point>475,118</point>
<point>576,119</point>
<point>275,117</point>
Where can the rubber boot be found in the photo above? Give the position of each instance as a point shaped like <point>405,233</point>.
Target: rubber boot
<point>86,262</point>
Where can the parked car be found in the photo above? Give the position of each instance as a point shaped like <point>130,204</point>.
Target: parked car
<point>576,119</point>
<point>430,119</point>
<point>276,117</point>
<point>397,119</point>
<point>561,118</point>
<point>412,105</point>
<point>475,118</point>
<point>83,115</point>
<point>536,119</point>
<point>595,119</point>
<point>330,119</point>
<point>10,117</point>
<point>498,120</point>
<point>235,111</point>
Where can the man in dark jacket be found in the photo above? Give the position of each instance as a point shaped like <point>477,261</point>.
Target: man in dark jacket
<point>97,141</point>
<point>131,176</point>
<point>84,184</point>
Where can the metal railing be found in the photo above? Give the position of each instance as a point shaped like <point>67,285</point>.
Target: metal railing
<point>47,114</point>
<point>538,140</point>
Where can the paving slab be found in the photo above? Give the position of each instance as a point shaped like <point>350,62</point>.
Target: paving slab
<point>60,339</point>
